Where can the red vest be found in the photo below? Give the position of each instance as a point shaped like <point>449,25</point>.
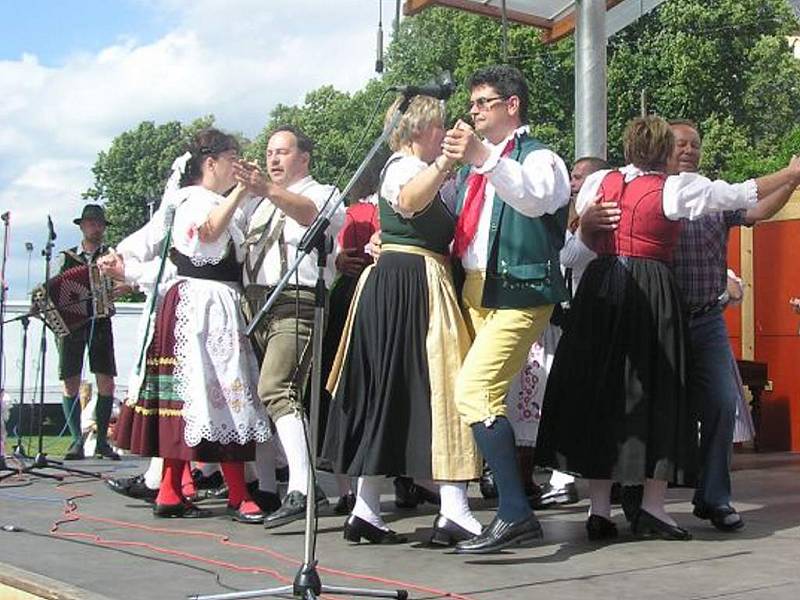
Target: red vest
<point>360,222</point>
<point>643,230</point>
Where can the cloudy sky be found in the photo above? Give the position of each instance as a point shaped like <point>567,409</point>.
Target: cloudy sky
<point>76,73</point>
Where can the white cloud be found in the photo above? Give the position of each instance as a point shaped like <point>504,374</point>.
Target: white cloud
<point>236,59</point>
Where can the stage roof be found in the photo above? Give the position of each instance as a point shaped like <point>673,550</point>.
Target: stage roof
<point>555,17</point>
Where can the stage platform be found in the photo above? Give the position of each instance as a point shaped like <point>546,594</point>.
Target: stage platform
<point>77,540</point>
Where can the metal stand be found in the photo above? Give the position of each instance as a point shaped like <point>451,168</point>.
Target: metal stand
<point>307,583</point>
<point>5,219</point>
<point>40,461</point>
<point>19,450</point>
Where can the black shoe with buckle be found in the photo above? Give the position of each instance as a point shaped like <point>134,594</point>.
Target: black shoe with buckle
<point>405,493</point>
<point>132,487</point>
<point>502,534</point>
<point>599,528</point>
<point>356,529</point>
<point>75,451</point>
<point>448,533</point>
<point>561,496</point>
<point>106,451</point>
<point>242,517</point>
<point>724,518</point>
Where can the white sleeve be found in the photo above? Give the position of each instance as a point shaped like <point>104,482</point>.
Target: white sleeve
<point>690,196</point>
<point>589,190</point>
<point>189,217</point>
<point>141,247</point>
<point>399,173</point>
<point>575,254</point>
<point>537,186</point>
<point>337,218</point>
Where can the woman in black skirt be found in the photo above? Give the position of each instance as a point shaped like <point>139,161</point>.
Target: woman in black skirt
<point>393,412</point>
<point>616,406</point>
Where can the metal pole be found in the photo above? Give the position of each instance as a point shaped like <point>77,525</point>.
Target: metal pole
<point>591,105</point>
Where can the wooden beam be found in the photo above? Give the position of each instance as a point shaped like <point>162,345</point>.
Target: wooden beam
<point>412,7</point>
<point>566,25</point>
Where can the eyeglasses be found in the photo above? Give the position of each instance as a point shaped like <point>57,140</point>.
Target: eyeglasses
<point>482,103</point>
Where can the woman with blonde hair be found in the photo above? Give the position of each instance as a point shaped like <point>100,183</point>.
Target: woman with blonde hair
<point>616,406</point>
<point>393,411</point>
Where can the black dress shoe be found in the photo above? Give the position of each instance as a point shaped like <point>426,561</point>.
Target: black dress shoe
<point>184,510</point>
<point>551,497</point>
<point>448,533</point>
<point>486,483</point>
<point>405,493</point>
<point>268,502</point>
<point>356,529</point>
<point>75,451</point>
<point>502,534</point>
<point>293,508</point>
<point>237,515</point>
<point>106,451</point>
<point>599,528</point>
<point>645,525</point>
<point>345,504</point>
<point>132,487</point>
<point>724,518</point>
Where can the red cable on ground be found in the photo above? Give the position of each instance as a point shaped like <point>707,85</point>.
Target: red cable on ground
<point>72,515</point>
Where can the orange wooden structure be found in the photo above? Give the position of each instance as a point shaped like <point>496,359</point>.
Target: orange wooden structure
<point>764,328</point>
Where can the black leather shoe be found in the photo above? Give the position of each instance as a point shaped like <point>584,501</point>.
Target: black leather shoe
<point>405,493</point>
<point>132,487</point>
<point>75,451</point>
<point>356,529</point>
<point>724,518</point>
<point>646,525</point>
<point>268,502</point>
<point>486,483</point>
<point>599,528</point>
<point>448,533</point>
<point>501,534</point>
<point>237,515</point>
<point>345,504</point>
<point>293,508</point>
<point>106,451</point>
<point>551,497</point>
<point>184,510</point>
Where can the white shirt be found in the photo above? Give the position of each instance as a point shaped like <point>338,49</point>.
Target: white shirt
<point>686,196</point>
<point>403,168</point>
<point>270,272</point>
<point>537,186</point>
<point>575,255</point>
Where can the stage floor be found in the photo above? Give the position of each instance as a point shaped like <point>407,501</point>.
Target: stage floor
<point>101,545</point>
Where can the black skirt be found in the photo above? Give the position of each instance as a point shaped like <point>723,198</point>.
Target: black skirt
<point>616,405</point>
<point>380,418</point>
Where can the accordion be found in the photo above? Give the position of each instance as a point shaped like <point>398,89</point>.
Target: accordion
<point>70,299</point>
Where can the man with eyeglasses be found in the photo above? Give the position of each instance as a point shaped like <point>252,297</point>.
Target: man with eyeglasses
<point>512,201</point>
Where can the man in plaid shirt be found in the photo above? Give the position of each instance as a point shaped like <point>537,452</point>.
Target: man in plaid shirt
<point>700,266</point>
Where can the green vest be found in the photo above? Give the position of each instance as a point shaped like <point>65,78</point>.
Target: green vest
<point>432,228</point>
<point>523,268</point>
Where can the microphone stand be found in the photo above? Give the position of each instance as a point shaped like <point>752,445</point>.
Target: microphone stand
<point>5,219</point>
<point>307,583</point>
<point>41,461</point>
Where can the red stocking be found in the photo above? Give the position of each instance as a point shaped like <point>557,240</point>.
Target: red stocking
<point>169,493</point>
<point>238,496</point>
<point>188,489</point>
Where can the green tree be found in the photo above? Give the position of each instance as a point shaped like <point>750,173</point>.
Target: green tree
<point>134,170</point>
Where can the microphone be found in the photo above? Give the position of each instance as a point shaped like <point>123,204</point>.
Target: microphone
<point>443,88</point>
<point>50,229</point>
<point>5,216</point>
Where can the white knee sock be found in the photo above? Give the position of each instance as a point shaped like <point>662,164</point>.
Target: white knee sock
<point>152,477</point>
<point>653,498</point>
<point>345,484</point>
<point>455,505</point>
<point>368,501</point>
<point>559,480</point>
<point>600,497</point>
<point>292,433</point>
<point>265,467</point>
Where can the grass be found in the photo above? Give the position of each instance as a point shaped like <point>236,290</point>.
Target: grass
<point>51,444</point>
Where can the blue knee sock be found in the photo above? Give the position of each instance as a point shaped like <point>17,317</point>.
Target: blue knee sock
<point>496,443</point>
